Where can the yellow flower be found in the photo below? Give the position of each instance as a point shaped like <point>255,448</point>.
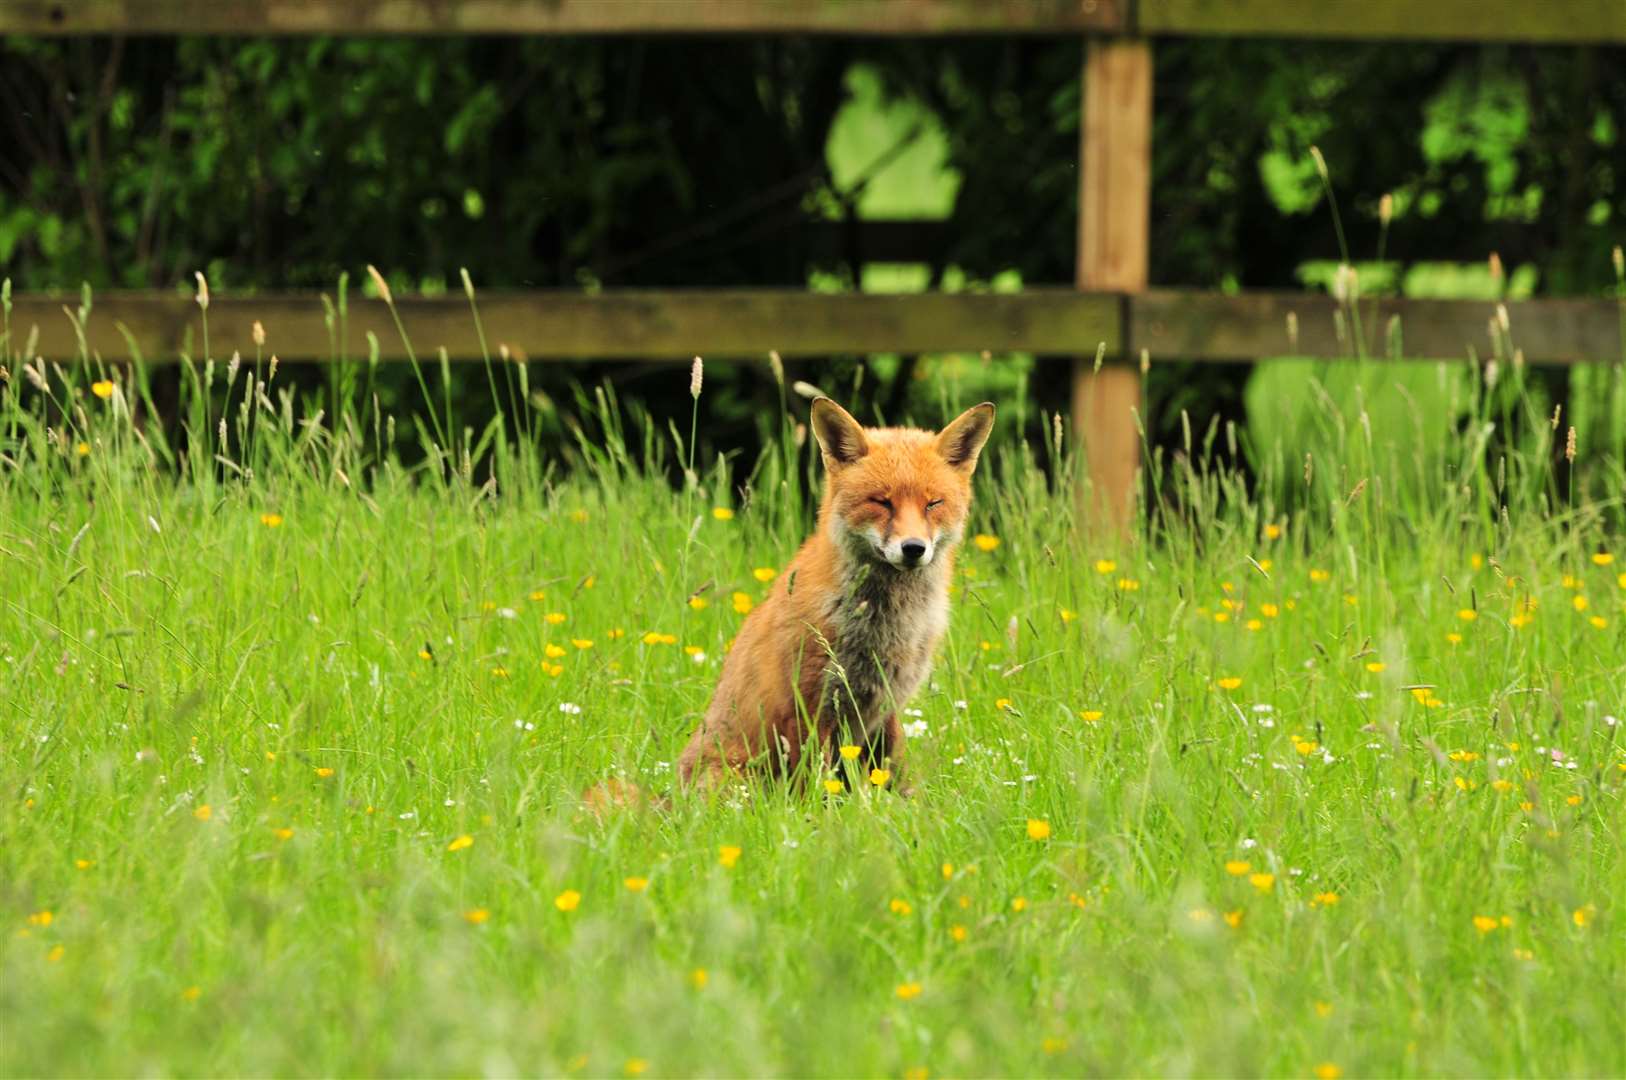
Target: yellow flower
<point>1262,882</point>
<point>568,900</point>
<point>1090,716</point>
<point>698,978</point>
<point>476,916</point>
<point>1019,904</point>
<point>635,1066</point>
<point>833,786</point>
<point>1053,1046</point>
<point>1573,800</point>
<point>1599,622</point>
<point>1454,638</point>
<point>55,954</point>
<point>1523,954</point>
<point>850,752</point>
<point>538,596</point>
<point>958,932</point>
<point>283,833</point>
<point>1320,575</point>
<point>985,542</point>
<point>102,388</point>
<point>1325,899</point>
<point>655,637</point>
<point>1266,565</point>
<point>83,864</point>
<point>900,907</point>
<point>324,772</point>
<point>1269,611</point>
<point>500,672</point>
<point>1323,1009</point>
<point>554,618</point>
<point>1305,747</point>
<point>1602,558</point>
<point>1229,682</point>
<point>1068,615</point>
<point>616,634</point>
<point>1105,566</point>
<point>728,855</point>
<point>552,651</point>
<point>742,603</point>
<point>699,603</point>
<point>1038,830</point>
<point>1352,600</point>
<point>582,643</point>
<point>1485,923</point>
<point>1273,532</point>
<point>635,884</point>
<point>271,521</point>
<point>1238,867</point>
<point>1519,622</point>
<point>1501,785</point>
<point>722,513</point>
<point>1076,900</point>
<point>1581,916</point>
<point>908,991</point>
<point>916,1072</point>
<point>579,516</point>
<point>553,671</point>
<point>1222,616</point>
<point>1002,703</point>
<point>191,993</point>
<point>1375,666</point>
<point>948,871</point>
<point>879,777</point>
<point>1128,585</point>
<point>82,449</point>
<point>764,574</point>
<point>464,841</point>
<point>1621,581</point>
<point>1328,1071</point>
<point>1579,602</point>
<point>41,918</point>
<point>1255,625</point>
<point>203,813</point>
<point>1233,919</point>
<point>425,654</point>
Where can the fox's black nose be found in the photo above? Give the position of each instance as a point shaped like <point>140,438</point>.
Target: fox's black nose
<point>914,551</point>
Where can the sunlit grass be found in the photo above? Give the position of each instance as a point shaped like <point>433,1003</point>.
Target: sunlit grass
<point>293,746</point>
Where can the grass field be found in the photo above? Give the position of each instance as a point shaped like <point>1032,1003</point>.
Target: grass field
<point>1326,784</point>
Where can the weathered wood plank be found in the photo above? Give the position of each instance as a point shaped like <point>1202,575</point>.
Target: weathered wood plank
<point>1114,221</point>
<point>1552,21</point>
<point>674,325</point>
<point>1180,324</point>
<point>252,17</point>
<point>671,325</point>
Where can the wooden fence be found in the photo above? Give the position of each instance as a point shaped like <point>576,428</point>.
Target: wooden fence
<point>1112,306</point>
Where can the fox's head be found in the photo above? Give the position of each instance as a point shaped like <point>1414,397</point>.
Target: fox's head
<point>898,495</point>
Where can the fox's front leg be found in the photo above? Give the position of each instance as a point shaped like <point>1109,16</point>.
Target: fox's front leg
<point>886,752</point>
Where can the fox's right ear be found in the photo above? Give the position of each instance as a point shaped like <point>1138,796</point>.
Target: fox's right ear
<point>840,436</point>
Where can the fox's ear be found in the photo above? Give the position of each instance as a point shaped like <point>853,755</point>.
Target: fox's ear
<point>840,436</point>
<point>962,440</point>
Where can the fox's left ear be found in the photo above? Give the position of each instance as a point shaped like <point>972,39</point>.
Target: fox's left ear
<point>961,442</point>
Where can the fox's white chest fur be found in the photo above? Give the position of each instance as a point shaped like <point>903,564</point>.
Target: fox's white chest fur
<point>885,628</point>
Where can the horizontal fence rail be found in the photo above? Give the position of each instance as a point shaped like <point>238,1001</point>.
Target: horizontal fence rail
<point>1552,21</point>
<point>747,323</point>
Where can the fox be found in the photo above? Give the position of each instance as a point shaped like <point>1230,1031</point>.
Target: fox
<point>849,629</point>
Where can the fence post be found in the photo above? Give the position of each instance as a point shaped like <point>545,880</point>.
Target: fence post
<point>1114,198</point>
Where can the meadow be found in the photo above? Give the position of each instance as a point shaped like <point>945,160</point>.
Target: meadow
<point>1321,776</point>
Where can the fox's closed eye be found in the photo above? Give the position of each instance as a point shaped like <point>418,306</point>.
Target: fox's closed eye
<point>880,501</point>
<point>934,504</point>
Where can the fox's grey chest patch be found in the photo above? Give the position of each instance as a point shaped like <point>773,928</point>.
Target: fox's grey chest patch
<point>886,626</point>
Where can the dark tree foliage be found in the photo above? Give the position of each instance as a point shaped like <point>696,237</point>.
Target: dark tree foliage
<point>695,162</point>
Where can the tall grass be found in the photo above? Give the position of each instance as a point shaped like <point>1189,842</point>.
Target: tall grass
<point>1322,774</point>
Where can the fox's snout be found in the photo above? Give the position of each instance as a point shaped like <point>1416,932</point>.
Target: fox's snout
<point>908,552</point>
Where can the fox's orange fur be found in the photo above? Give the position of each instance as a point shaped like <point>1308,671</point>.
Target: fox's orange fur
<point>848,631</point>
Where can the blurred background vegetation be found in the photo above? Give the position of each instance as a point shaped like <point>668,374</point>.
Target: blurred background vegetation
<point>278,164</point>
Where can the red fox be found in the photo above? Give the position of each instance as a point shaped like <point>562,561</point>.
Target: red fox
<point>847,634</point>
